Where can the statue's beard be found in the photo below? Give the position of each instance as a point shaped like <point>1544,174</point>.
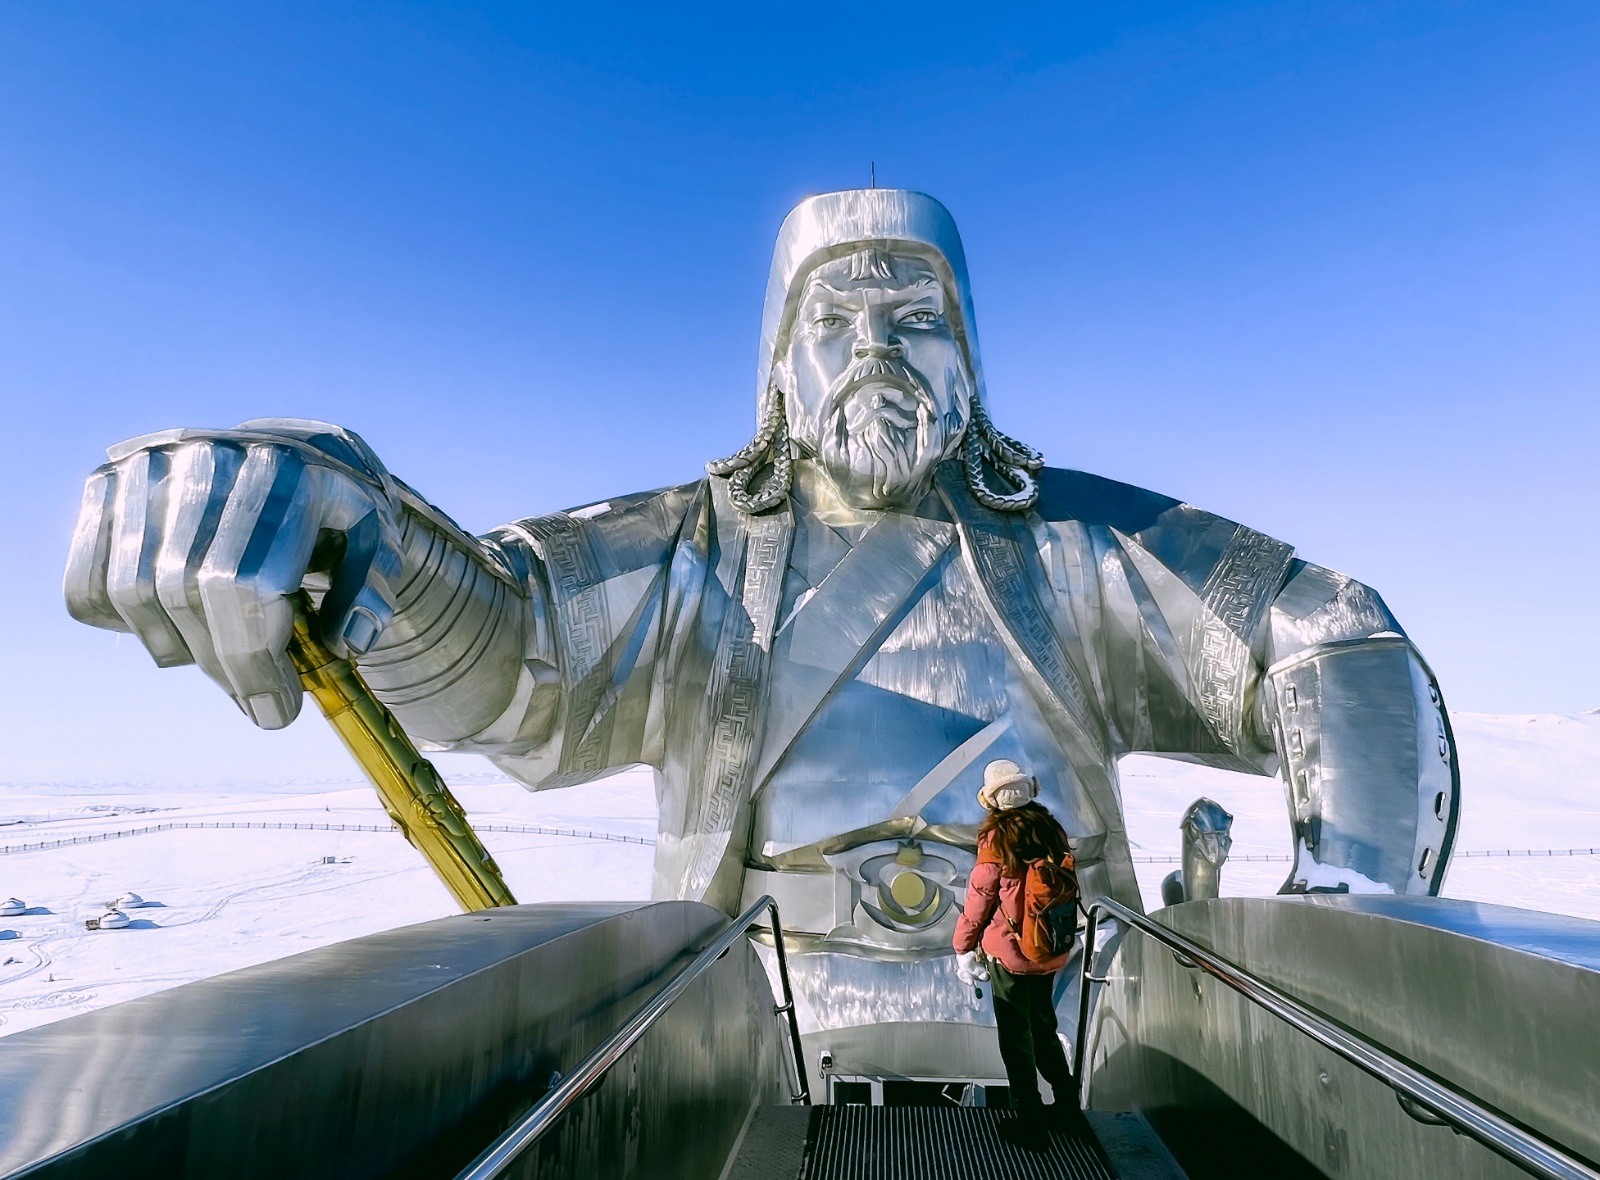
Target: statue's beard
<point>882,436</point>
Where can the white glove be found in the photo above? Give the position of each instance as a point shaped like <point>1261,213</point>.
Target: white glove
<point>971,970</point>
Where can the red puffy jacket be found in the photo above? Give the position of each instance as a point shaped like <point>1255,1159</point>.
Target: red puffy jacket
<point>992,897</point>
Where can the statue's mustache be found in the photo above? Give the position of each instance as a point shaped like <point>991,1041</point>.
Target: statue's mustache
<point>892,375</point>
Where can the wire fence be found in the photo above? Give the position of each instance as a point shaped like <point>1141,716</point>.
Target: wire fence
<point>1530,852</point>
<point>616,838</point>
<point>175,825</point>
<point>1178,860</point>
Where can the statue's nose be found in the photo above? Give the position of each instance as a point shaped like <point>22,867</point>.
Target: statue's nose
<point>878,350</point>
<point>875,339</point>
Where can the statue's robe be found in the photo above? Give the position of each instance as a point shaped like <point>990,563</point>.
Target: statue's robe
<point>804,691</point>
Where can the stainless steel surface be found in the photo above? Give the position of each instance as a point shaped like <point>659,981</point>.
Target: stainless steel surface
<point>1491,1038</point>
<point>928,1050</point>
<point>819,646</point>
<point>1350,832</point>
<point>577,1082</point>
<point>1207,838</point>
<point>840,989</point>
<point>407,1052</point>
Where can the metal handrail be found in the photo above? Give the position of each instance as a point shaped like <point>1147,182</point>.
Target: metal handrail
<point>1420,1096</point>
<point>500,1154</point>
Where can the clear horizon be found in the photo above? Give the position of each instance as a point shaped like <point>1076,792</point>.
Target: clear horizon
<point>1335,275</point>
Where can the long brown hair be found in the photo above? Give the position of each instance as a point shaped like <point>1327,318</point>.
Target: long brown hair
<point>1022,834</point>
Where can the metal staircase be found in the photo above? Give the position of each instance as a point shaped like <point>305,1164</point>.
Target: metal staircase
<point>940,1143</point>
<point>1376,1038</point>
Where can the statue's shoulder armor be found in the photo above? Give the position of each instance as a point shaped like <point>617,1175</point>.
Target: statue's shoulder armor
<point>624,533</point>
<point>1066,495</point>
<point>1195,545</point>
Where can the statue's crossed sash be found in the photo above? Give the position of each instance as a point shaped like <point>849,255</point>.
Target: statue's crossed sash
<point>1003,556</point>
<point>839,627</point>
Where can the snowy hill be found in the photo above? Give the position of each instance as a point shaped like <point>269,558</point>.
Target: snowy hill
<point>226,897</point>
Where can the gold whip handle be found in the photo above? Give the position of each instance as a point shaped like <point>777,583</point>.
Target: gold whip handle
<point>412,792</point>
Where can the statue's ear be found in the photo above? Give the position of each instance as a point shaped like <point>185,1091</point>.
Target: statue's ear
<point>781,383</point>
<point>783,373</point>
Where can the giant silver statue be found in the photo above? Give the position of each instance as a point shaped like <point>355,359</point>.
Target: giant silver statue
<point>819,646</point>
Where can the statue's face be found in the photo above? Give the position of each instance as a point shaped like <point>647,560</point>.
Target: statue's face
<point>876,386</point>
<point>1215,846</point>
<point>1208,826</point>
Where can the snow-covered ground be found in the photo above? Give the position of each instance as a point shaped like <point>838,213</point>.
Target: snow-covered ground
<point>229,898</point>
<point>1527,782</point>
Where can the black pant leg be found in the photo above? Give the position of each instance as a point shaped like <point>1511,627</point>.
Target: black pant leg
<point>1049,1056</point>
<point>1013,1023</point>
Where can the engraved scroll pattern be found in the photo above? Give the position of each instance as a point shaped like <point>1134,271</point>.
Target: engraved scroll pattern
<point>736,693</point>
<point>1236,595</point>
<point>583,630</point>
<point>998,558</point>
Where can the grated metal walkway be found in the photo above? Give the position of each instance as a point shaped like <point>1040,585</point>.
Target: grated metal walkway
<point>939,1143</point>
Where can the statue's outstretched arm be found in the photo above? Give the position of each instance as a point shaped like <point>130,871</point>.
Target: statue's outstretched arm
<point>452,661</point>
<point>194,541</point>
<point>1365,746</point>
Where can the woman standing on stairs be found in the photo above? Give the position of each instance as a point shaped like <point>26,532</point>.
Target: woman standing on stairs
<point>1016,830</point>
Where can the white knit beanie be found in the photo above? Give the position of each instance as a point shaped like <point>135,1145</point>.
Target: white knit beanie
<point>1006,786</point>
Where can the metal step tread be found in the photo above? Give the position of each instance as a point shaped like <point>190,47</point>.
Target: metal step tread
<point>939,1143</point>
<point>774,1144</point>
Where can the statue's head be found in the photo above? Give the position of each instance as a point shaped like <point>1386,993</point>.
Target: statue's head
<point>1207,828</point>
<point>869,361</point>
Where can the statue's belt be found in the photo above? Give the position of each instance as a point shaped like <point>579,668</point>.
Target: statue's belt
<point>812,858</point>
<point>903,896</point>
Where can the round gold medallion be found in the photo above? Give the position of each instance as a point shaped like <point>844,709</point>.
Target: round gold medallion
<point>909,890</point>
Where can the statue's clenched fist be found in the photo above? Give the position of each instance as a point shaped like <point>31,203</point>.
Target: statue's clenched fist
<point>193,540</point>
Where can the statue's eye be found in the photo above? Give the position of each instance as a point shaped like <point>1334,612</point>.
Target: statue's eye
<point>923,315</point>
<point>830,322</point>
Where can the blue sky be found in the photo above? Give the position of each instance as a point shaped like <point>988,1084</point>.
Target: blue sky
<point>1331,270</point>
